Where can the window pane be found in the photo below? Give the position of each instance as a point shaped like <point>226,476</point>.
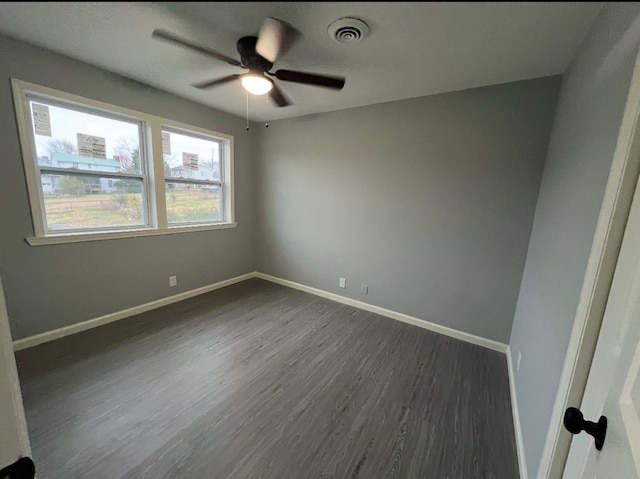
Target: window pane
<point>190,157</point>
<point>73,201</point>
<point>68,138</point>
<point>192,203</point>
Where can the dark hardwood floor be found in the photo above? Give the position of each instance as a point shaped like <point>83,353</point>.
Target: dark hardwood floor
<point>258,380</point>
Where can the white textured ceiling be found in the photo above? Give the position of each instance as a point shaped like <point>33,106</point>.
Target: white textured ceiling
<point>413,49</point>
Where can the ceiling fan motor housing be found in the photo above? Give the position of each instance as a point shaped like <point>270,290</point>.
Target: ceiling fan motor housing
<point>275,38</point>
<point>250,58</point>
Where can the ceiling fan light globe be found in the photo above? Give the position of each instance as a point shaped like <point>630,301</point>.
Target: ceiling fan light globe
<point>256,84</point>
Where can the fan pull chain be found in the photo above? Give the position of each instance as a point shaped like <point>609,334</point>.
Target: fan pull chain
<point>266,115</point>
<point>247,93</point>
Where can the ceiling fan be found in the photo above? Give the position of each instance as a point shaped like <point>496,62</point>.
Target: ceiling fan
<point>258,54</point>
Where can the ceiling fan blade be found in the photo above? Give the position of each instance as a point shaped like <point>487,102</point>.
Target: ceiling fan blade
<point>275,38</point>
<point>336,83</point>
<point>278,96</point>
<point>173,38</point>
<point>218,81</point>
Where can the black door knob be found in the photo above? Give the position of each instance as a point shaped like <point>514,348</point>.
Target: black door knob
<point>575,423</point>
<point>23,468</point>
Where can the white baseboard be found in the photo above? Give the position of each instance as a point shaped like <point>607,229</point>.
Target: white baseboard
<point>454,333</point>
<point>516,419</point>
<point>109,318</point>
<point>125,313</point>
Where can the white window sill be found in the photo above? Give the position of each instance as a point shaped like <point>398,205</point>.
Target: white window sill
<point>82,237</point>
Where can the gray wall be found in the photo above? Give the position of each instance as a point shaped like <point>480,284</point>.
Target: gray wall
<point>48,287</point>
<point>429,201</point>
<point>582,144</point>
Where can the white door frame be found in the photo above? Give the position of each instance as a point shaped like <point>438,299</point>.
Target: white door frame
<point>614,212</point>
<point>14,438</point>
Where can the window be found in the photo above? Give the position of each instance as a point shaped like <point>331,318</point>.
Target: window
<point>84,150</point>
<point>98,171</point>
<point>192,177</point>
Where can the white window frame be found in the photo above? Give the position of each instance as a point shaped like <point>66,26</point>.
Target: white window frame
<point>142,176</point>
<point>222,183</point>
<point>153,171</point>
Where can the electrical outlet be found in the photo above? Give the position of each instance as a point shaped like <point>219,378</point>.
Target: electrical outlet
<point>173,281</point>
<point>364,289</point>
<point>343,283</point>
<point>519,359</point>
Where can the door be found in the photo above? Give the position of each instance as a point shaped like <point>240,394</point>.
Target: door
<point>14,441</point>
<point>613,386</point>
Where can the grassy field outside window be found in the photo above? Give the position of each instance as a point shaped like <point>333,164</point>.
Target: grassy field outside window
<point>125,209</point>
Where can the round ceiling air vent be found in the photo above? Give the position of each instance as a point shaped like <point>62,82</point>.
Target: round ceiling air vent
<point>348,30</point>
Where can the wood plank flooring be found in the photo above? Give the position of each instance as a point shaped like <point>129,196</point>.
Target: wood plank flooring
<point>257,380</point>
